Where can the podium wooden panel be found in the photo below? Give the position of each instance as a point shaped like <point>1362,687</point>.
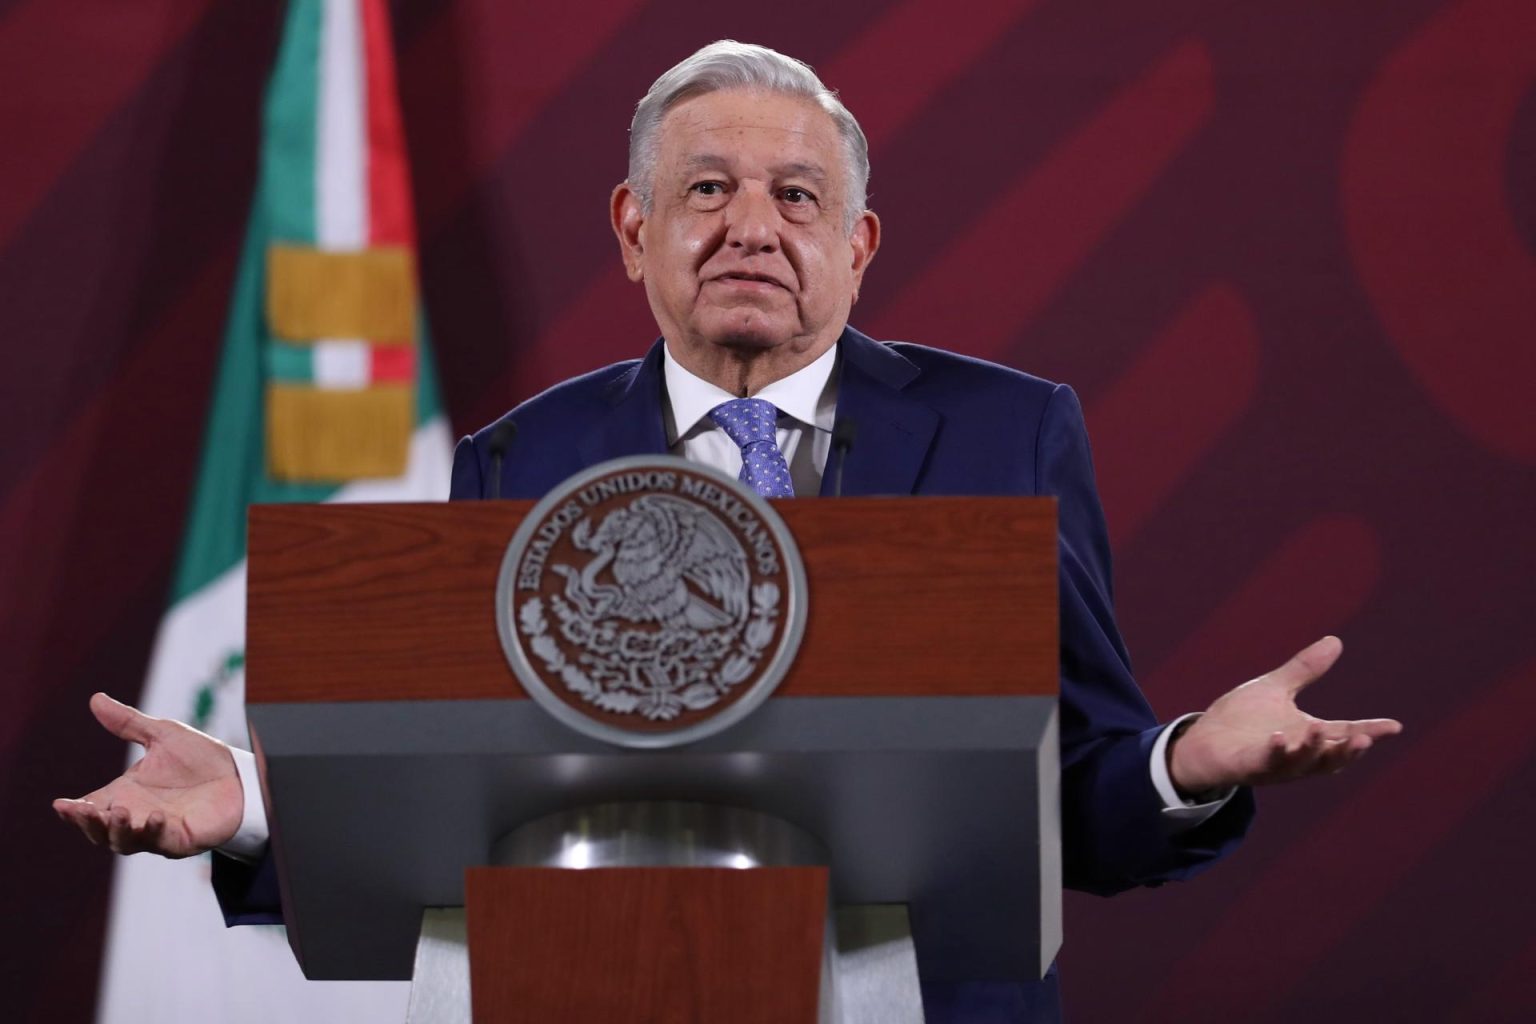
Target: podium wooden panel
<point>907,596</point>
<point>646,944</point>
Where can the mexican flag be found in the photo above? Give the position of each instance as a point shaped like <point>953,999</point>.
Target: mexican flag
<point>325,393</point>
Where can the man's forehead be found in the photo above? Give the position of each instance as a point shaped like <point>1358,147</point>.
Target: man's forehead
<point>740,116</point>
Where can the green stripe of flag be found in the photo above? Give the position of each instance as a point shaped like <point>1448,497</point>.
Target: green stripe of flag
<point>290,364</point>
<point>232,473</point>
<point>291,114</point>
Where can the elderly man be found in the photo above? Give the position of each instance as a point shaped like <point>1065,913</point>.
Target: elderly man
<point>744,217</point>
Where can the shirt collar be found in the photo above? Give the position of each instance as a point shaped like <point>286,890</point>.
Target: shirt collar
<point>809,395</point>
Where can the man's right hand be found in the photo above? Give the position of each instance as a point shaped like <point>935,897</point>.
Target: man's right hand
<point>181,798</point>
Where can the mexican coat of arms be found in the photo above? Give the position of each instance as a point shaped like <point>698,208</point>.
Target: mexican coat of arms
<point>649,601</point>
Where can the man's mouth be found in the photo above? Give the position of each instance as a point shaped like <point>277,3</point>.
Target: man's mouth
<point>743,277</point>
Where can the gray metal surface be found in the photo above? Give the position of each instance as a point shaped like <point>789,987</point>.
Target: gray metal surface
<point>658,834</point>
<point>945,804</point>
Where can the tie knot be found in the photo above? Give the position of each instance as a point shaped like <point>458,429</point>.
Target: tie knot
<point>747,420</point>
<point>753,424</point>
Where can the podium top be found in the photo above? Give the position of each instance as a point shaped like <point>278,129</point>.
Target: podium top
<point>908,597</point>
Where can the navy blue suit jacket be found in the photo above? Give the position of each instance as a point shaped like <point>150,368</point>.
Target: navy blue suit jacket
<point>934,423</point>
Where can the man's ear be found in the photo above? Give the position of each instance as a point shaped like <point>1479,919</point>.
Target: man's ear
<point>865,242</point>
<point>628,218</point>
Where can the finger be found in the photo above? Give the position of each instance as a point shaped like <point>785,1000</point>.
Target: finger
<point>1309,740</point>
<point>95,828</point>
<point>74,809</point>
<point>1375,728</point>
<point>152,835</point>
<point>122,836</point>
<point>1345,754</point>
<point>88,818</point>
<point>1307,664</point>
<point>122,721</point>
<point>1301,753</point>
<point>117,824</point>
<point>69,814</point>
<point>1303,757</point>
<point>1278,753</point>
<point>1336,732</point>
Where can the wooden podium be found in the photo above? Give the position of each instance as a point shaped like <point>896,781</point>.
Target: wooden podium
<point>914,740</point>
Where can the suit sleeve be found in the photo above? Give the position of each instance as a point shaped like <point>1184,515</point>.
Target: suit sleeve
<point>247,893</point>
<point>1113,834</point>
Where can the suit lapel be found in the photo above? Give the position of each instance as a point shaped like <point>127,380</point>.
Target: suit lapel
<point>633,425</point>
<point>894,432</point>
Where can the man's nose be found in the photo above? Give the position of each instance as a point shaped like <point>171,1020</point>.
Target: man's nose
<point>752,222</point>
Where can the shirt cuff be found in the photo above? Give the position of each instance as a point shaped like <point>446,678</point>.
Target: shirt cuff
<point>249,843</point>
<point>1180,815</point>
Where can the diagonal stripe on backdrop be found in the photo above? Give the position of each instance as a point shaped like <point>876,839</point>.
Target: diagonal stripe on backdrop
<point>1315,580</point>
<point>1154,423</point>
<point>539,49</point>
<point>1065,206</point>
<point>929,44</point>
<point>78,86</point>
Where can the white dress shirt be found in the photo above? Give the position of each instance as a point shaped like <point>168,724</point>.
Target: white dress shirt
<point>806,400</point>
<point>807,403</point>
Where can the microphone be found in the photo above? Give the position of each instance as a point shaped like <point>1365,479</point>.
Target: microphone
<point>502,436</point>
<point>843,433</point>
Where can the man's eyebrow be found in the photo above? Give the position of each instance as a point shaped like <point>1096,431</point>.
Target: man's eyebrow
<point>800,170</point>
<point>793,169</point>
<point>706,161</point>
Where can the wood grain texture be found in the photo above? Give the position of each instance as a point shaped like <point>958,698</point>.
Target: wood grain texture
<point>908,596</point>
<point>640,945</point>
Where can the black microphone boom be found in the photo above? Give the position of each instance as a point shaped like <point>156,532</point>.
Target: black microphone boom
<point>843,433</point>
<point>502,436</point>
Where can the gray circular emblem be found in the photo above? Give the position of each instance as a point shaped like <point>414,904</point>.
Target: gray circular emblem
<point>650,601</point>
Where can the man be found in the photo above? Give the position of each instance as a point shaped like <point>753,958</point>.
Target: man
<point>744,217</point>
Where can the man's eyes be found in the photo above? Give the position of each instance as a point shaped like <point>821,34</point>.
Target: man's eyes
<point>793,194</point>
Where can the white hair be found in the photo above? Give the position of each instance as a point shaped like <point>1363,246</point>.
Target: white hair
<point>728,64</point>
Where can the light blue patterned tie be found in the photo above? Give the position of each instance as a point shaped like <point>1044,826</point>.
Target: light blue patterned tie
<point>752,423</point>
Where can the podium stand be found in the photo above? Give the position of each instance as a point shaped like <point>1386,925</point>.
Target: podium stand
<point>913,744</point>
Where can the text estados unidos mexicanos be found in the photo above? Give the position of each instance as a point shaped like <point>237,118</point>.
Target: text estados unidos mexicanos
<point>764,553</point>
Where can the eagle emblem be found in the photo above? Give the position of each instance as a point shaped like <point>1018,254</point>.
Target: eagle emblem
<point>651,592</point>
<point>672,562</point>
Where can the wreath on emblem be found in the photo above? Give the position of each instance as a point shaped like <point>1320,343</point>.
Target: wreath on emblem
<point>663,615</point>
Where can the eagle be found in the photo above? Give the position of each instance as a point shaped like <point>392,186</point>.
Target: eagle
<point>654,548</point>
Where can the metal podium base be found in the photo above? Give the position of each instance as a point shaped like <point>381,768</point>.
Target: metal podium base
<point>870,972</point>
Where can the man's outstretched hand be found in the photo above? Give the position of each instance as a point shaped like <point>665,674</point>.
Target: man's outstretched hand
<point>181,798</point>
<point>1256,734</point>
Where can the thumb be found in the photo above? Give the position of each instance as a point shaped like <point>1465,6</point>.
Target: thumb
<point>122,721</point>
<point>1307,664</point>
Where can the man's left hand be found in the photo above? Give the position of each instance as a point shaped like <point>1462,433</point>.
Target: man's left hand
<point>1256,734</point>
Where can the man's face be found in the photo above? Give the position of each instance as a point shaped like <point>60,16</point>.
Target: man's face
<point>746,245</point>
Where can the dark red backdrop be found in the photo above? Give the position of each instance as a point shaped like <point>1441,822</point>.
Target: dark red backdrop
<point>1286,252</point>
